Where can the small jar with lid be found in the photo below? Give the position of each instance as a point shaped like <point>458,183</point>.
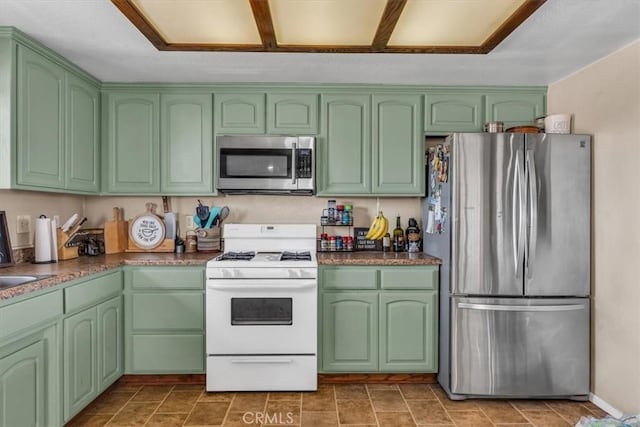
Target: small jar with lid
<point>349,246</point>
<point>324,242</point>
<point>331,212</point>
<point>339,213</point>
<point>347,215</point>
<point>332,243</point>
<point>339,243</point>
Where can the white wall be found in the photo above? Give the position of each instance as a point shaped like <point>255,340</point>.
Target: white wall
<point>605,100</point>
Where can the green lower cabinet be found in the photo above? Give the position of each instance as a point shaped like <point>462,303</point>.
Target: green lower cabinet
<point>408,331</point>
<point>164,320</point>
<point>80,361</point>
<point>92,354</point>
<point>110,342</point>
<point>350,332</point>
<point>29,379</point>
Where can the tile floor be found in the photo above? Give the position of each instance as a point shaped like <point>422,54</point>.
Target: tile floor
<point>394,405</point>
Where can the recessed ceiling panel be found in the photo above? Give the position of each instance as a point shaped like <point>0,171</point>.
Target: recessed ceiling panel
<point>201,21</point>
<point>450,22</point>
<point>326,22</point>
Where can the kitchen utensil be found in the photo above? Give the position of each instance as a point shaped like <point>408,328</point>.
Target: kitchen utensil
<point>147,230</point>
<point>224,213</point>
<point>524,129</point>
<point>115,233</point>
<point>557,123</point>
<point>493,127</point>
<point>202,212</point>
<point>170,220</point>
<point>69,223</point>
<point>213,217</point>
<point>76,227</point>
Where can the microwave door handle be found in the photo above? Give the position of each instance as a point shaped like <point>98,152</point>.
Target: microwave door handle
<point>294,165</point>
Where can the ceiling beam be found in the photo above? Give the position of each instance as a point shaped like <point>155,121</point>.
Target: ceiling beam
<point>262,15</point>
<point>139,21</point>
<point>513,22</point>
<point>390,16</point>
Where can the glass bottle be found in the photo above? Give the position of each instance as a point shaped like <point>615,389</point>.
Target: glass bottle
<point>413,236</point>
<point>386,243</point>
<point>398,237</point>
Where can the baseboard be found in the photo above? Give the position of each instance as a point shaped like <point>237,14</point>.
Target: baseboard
<point>377,378</point>
<point>609,409</point>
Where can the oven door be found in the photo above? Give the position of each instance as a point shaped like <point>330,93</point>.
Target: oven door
<point>261,316</point>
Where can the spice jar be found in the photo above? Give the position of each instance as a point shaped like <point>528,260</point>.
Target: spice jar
<point>349,246</point>
<point>346,215</point>
<point>331,211</point>
<point>324,242</point>
<point>332,243</point>
<point>339,243</point>
<point>339,213</point>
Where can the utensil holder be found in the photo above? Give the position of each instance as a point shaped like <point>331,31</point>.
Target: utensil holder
<point>208,239</point>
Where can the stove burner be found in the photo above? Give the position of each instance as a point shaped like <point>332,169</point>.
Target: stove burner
<point>236,256</point>
<point>295,256</point>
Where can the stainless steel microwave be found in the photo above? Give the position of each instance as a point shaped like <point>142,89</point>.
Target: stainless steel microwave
<point>265,164</point>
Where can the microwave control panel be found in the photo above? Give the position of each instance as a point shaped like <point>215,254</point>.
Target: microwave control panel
<point>304,162</point>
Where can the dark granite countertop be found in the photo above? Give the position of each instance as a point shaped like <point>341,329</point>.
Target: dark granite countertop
<point>376,258</point>
<point>65,271</point>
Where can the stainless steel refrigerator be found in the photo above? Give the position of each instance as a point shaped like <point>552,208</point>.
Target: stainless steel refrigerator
<point>509,215</point>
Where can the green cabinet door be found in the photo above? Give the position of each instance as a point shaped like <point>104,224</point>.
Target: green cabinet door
<point>408,338</point>
<point>110,342</point>
<point>23,386</point>
<point>350,332</point>
<point>239,113</point>
<point>40,109</point>
<point>398,145</point>
<point>292,113</point>
<point>452,112</point>
<point>80,361</point>
<point>186,143</point>
<point>514,109</point>
<point>82,135</point>
<point>131,154</point>
<point>344,147</point>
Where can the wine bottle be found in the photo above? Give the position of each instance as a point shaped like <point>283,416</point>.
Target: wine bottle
<point>398,237</point>
<point>413,236</point>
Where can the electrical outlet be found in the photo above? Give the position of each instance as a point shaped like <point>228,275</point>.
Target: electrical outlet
<point>188,220</point>
<point>23,224</point>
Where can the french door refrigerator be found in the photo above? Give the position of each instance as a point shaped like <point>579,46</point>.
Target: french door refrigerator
<point>509,215</point>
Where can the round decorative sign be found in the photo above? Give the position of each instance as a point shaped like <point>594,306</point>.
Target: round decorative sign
<point>147,230</point>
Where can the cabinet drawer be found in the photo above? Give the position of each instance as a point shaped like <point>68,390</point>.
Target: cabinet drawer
<point>25,314</point>
<point>350,278</point>
<point>167,311</point>
<point>92,291</point>
<point>165,278</point>
<point>167,353</point>
<point>409,277</point>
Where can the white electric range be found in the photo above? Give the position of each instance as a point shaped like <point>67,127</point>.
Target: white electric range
<point>261,309</point>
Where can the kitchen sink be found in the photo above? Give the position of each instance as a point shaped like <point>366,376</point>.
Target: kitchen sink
<point>9,281</point>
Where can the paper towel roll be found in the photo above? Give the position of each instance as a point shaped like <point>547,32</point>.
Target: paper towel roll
<point>43,240</point>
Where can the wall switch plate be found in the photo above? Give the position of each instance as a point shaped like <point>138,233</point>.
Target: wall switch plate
<point>23,224</point>
<point>188,220</point>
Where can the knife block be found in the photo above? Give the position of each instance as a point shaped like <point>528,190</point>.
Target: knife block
<point>65,253</point>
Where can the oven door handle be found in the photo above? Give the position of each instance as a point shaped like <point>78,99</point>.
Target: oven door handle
<point>264,287</point>
<point>261,361</point>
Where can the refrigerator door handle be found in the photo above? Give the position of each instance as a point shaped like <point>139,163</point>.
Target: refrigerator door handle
<point>533,212</point>
<point>518,204</point>
<point>538,308</point>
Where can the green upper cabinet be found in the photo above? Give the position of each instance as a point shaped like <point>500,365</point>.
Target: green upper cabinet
<point>398,145</point>
<point>239,113</point>
<point>451,112</point>
<point>344,146</point>
<point>186,143</point>
<point>41,98</point>
<point>131,153</point>
<point>82,135</point>
<point>514,108</point>
<point>292,113</point>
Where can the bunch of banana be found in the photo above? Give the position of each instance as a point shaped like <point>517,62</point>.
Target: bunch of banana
<point>378,228</point>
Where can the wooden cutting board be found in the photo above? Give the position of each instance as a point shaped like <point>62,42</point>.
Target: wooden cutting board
<point>116,233</point>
